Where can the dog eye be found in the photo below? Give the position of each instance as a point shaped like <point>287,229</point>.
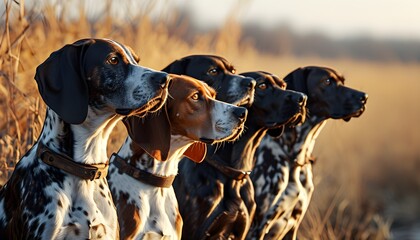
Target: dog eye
<point>195,96</point>
<point>213,72</point>
<point>262,86</point>
<point>327,81</point>
<point>113,60</point>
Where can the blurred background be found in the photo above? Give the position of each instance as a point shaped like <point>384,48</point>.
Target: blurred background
<point>367,172</point>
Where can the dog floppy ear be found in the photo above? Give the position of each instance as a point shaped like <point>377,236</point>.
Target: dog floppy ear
<point>297,80</point>
<point>177,66</point>
<point>196,152</point>
<point>61,82</point>
<point>152,133</point>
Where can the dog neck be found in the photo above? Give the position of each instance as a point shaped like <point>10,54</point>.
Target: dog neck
<point>296,144</point>
<point>240,154</point>
<point>138,158</point>
<point>85,143</point>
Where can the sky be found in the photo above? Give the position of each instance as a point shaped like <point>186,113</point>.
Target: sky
<point>391,19</point>
<point>398,19</point>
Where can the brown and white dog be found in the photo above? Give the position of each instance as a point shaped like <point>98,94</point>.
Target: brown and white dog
<point>142,171</point>
<point>282,176</point>
<point>58,190</point>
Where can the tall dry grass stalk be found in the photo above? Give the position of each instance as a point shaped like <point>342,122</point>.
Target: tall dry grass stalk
<point>356,160</point>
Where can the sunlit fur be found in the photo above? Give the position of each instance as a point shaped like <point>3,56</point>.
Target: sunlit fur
<point>282,176</point>
<point>220,205</point>
<point>145,210</point>
<point>43,202</point>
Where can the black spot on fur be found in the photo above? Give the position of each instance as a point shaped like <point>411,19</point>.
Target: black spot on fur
<point>34,226</point>
<point>41,228</point>
<point>296,213</point>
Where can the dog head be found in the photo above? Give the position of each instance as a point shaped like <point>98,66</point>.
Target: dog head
<point>191,111</point>
<point>327,95</point>
<point>98,76</point>
<point>219,74</point>
<point>274,106</point>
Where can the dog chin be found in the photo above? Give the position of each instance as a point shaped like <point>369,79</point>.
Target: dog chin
<point>236,133</point>
<point>356,114</point>
<point>246,101</point>
<point>153,105</point>
<point>298,119</point>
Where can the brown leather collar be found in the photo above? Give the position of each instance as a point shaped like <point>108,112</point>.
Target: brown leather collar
<point>65,163</point>
<point>141,175</point>
<point>229,172</point>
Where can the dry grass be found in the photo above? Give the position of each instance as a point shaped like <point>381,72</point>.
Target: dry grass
<point>366,176</point>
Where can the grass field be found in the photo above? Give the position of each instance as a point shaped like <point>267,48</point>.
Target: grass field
<point>367,170</point>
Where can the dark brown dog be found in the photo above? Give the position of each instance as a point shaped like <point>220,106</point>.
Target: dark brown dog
<point>216,196</point>
<point>219,74</point>
<point>282,176</point>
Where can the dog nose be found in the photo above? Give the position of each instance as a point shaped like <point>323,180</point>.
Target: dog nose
<point>297,97</point>
<point>249,83</point>
<point>302,99</point>
<point>162,78</point>
<point>363,97</point>
<point>240,113</point>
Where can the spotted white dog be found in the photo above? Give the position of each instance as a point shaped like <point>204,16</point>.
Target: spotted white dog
<point>58,190</point>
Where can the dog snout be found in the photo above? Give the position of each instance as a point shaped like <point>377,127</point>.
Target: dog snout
<point>302,99</point>
<point>240,113</point>
<point>249,83</point>
<point>362,97</point>
<point>297,97</point>
<point>162,78</point>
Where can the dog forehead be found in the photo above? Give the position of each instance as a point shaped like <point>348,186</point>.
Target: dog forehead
<point>209,60</point>
<point>223,61</point>
<point>101,48</point>
<point>185,85</point>
<point>335,75</point>
<point>274,80</point>
<point>268,78</point>
<point>225,64</point>
<point>322,73</point>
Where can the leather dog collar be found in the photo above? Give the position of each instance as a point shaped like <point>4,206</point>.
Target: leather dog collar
<point>65,163</point>
<point>229,172</point>
<point>141,175</point>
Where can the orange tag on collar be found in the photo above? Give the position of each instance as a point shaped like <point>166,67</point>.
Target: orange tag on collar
<point>196,152</point>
